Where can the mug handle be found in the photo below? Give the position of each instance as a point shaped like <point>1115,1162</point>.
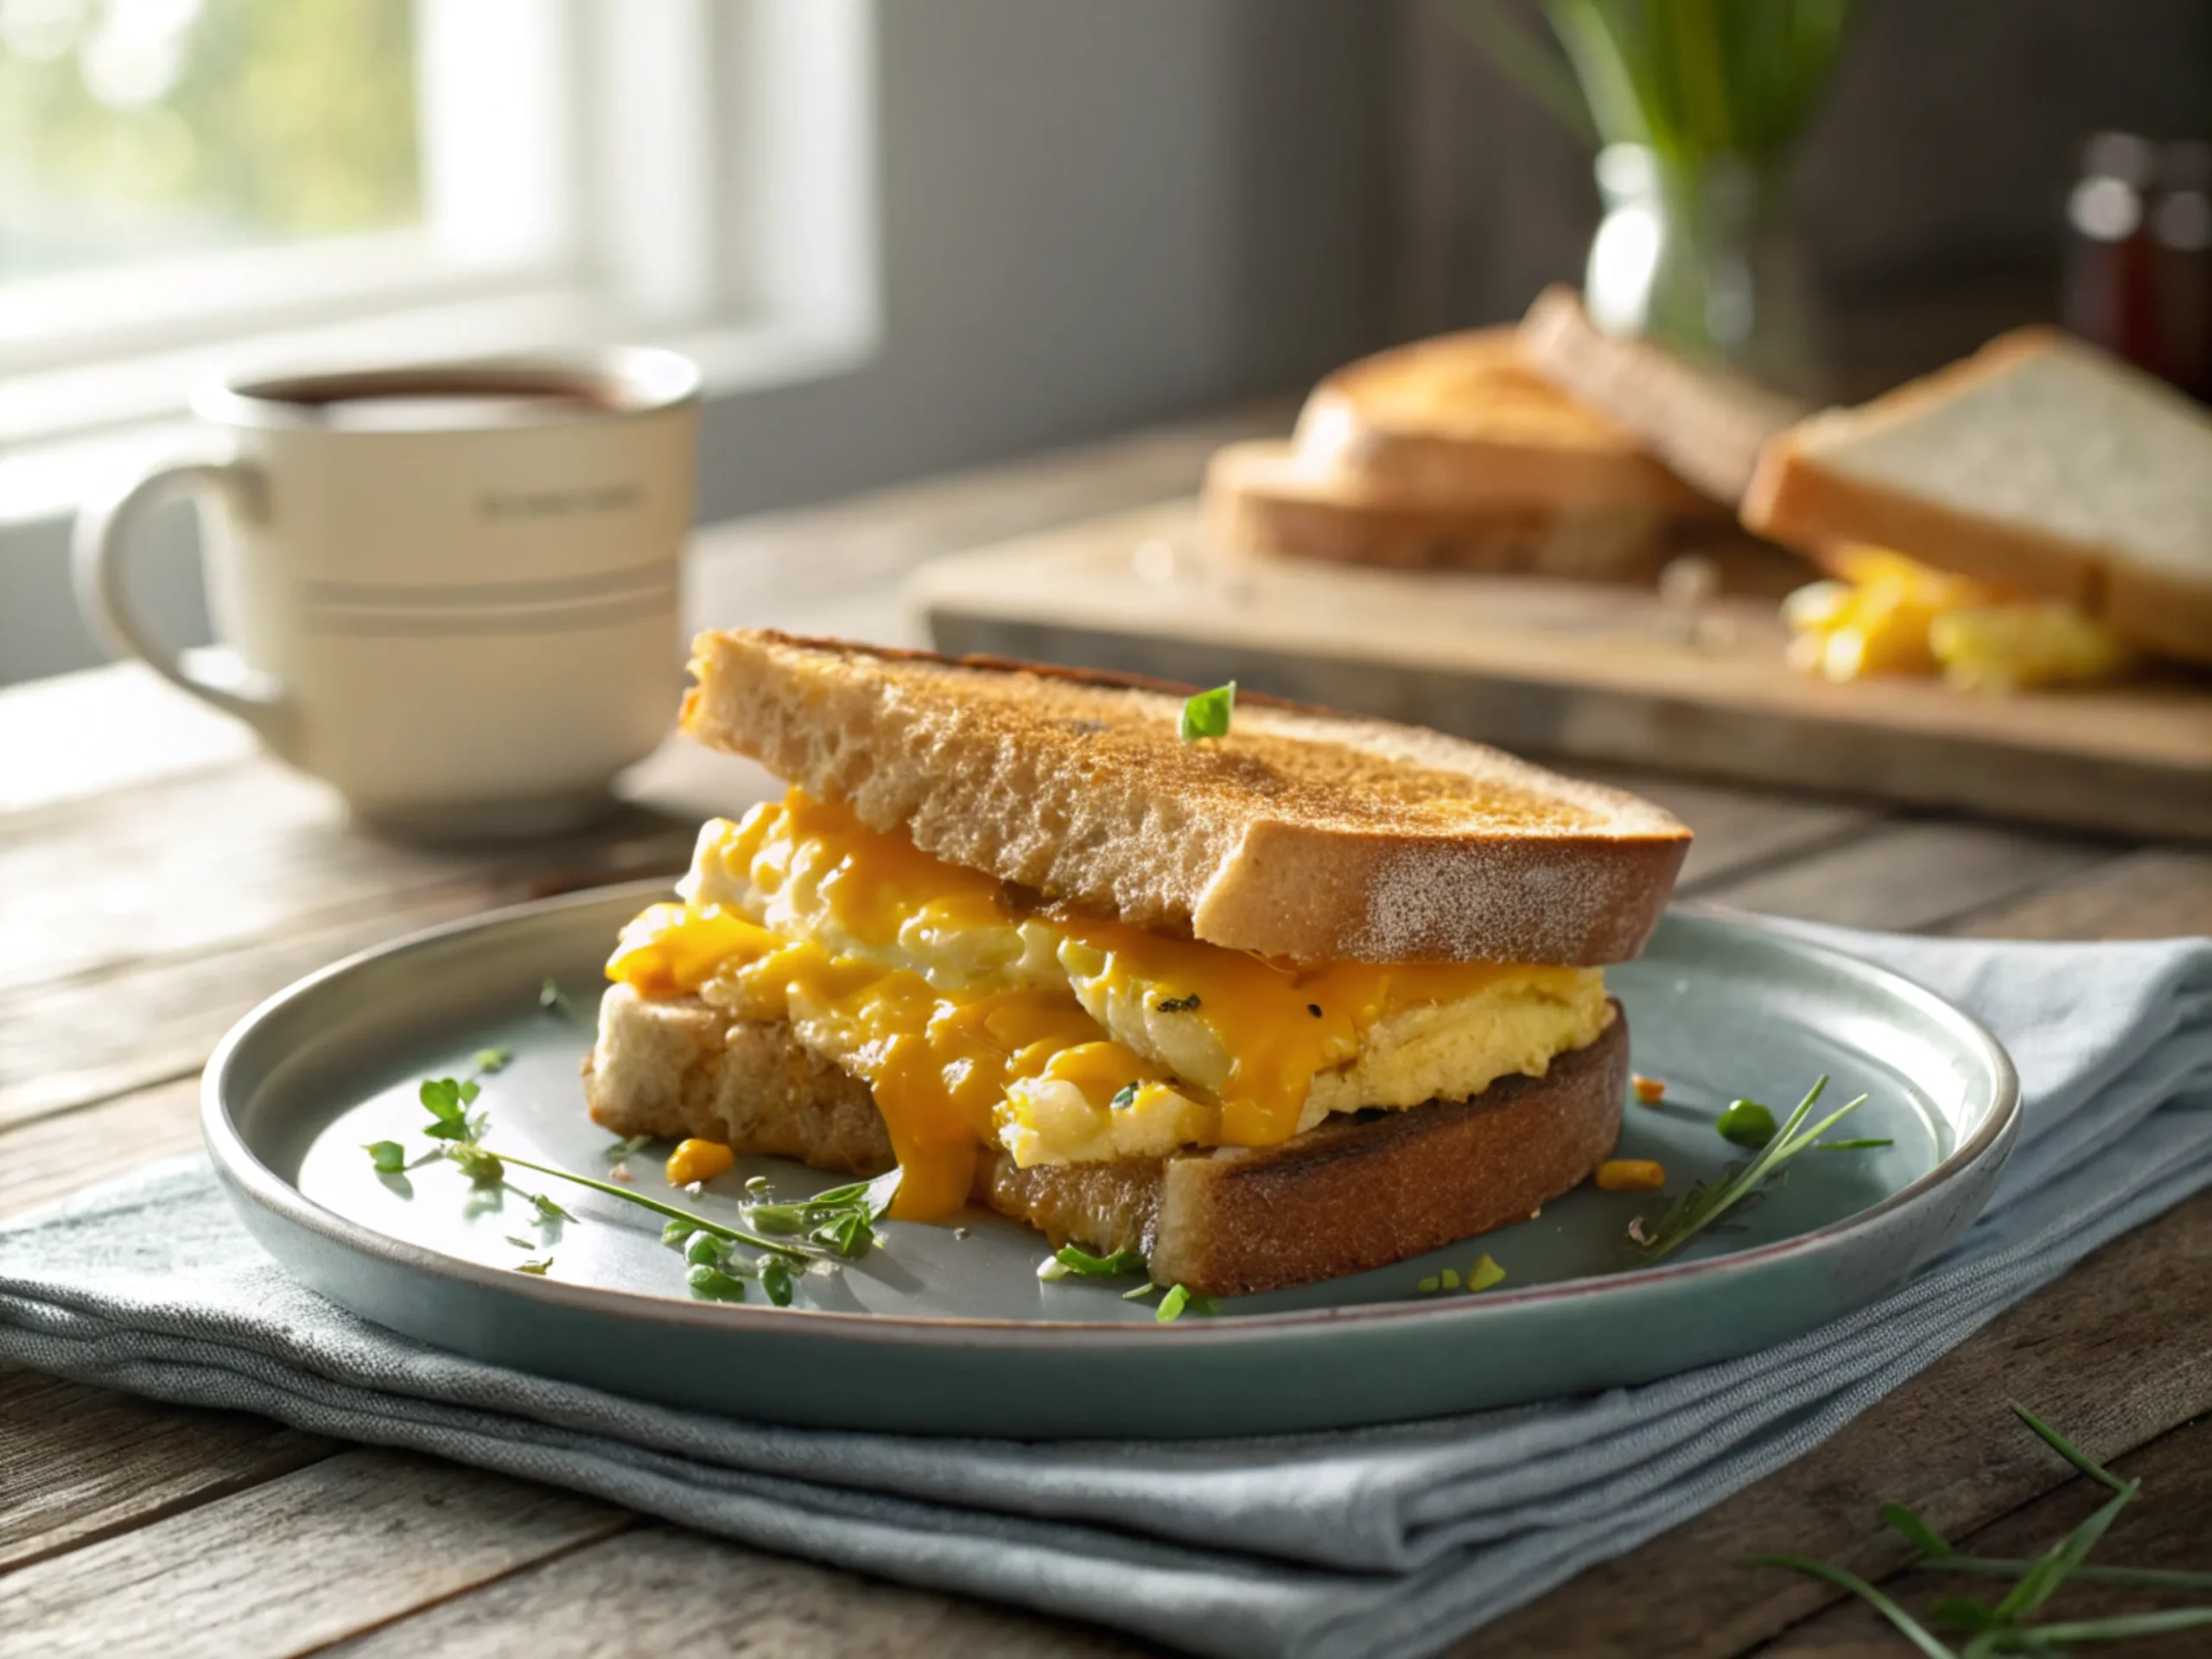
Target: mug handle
<point>215,674</point>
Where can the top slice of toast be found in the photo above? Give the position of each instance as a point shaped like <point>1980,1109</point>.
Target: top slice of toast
<point>1303,834</point>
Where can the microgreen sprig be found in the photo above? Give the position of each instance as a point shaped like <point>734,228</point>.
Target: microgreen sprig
<point>839,1223</point>
<point>696,1223</point>
<point>842,1219</point>
<point>1697,1209</point>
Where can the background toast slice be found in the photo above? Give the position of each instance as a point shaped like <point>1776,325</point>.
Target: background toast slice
<point>1304,834</point>
<point>1354,1193</point>
<point>1462,419</point>
<point>2039,464</point>
<point>1264,497</point>
<point>1707,424</point>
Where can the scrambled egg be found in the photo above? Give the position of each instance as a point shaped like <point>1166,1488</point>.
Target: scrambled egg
<point>1888,615</point>
<point>1060,1036</point>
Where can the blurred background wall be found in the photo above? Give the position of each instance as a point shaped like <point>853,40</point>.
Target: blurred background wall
<point>1096,216</point>
<point>1929,194</point>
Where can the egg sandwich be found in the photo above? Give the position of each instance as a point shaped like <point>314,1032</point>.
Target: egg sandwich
<point>1304,998</point>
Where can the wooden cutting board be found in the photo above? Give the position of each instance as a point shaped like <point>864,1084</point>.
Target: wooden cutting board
<point>1574,671</point>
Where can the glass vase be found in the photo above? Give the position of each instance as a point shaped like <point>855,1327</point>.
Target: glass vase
<point>1692,253</point>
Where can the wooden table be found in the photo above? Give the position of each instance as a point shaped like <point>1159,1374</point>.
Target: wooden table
<point>157,878</point>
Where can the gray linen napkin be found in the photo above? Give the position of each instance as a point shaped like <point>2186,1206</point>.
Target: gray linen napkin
<point>1367,1542</point>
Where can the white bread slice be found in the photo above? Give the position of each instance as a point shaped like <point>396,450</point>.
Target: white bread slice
<point>1461,419</point>
<point>1264,497</point>
<point>1704,422</point>
<point>1304,834</point>
<point>1351,1194</point>
<point>2038,464</point>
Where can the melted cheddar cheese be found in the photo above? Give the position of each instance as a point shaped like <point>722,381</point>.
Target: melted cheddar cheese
<point>1063,1037</point>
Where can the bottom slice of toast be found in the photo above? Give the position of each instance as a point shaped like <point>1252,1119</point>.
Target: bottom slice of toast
<point>1357,1191</point>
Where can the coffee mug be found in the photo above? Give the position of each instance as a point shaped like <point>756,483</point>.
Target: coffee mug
<point>449,590</point>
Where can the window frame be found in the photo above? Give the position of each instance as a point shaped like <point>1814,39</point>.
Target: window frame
<point>696,173</point>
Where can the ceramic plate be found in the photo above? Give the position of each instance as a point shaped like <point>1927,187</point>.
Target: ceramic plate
<point>953,1332</point>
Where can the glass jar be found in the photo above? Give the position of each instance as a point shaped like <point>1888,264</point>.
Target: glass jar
<point>1692,253</point>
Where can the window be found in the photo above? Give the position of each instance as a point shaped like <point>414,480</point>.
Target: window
<point>192,184</point>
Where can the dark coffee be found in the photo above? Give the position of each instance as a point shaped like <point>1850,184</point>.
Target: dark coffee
<point>442,400</point>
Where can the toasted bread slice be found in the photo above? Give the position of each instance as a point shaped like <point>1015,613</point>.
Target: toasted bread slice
<point>1351,1194</point>
<point>2039,464</point>
<point>1267,498</point>
<point>1304,834</point>
<point>1705,424</point>
<point>1462,420</point>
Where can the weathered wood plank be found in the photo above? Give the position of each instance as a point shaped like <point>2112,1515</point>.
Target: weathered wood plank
<point>1911,874</point>
<point>1737,830</point>
<point>686,1590</point>
<point>2159,892</point>
<point>315,1556</point>
<point>45,1157</point>
<point>2117,1371</point>
<point>836,568</point>
<point>95,1036</point>
<point>2165,1527</point>
<point>78,1463</point>
<point>208,861</point>
<point>86,1040</point>
<point>108,728</point>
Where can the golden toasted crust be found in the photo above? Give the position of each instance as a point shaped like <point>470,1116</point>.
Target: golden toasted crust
<point>1706,424</point>
<point>1352,1194</point>
<point>1261,498</point>
<point>1460,419</point>
<point>1303,834</point>
<point>1799,495</point>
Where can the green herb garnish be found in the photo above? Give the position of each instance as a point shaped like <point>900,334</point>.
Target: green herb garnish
<point>1125,1096</point>
<point>1746,1123</point>
<point>2007,1627</point>
<point>842,1219</point>
<point>490,1061</point>
<point>538,1267</point>
<point>389,1156</point>
<point>620,1149</point>
<point>1178,1004</point>
<point>448,1100</point>
<point>1139,1293</point>
<point>1207,713</point>
<point>776,1280</point>
<point>547,1210</point>
<point>554,1000</point>
<point>1484,1273</point>
<point>1860,1145</point>
<point>1701,1206</point>
<point>481,1166</point>
<point>1099,1267</point>
<point>714,1285</point>
<point>1172,1305</point>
